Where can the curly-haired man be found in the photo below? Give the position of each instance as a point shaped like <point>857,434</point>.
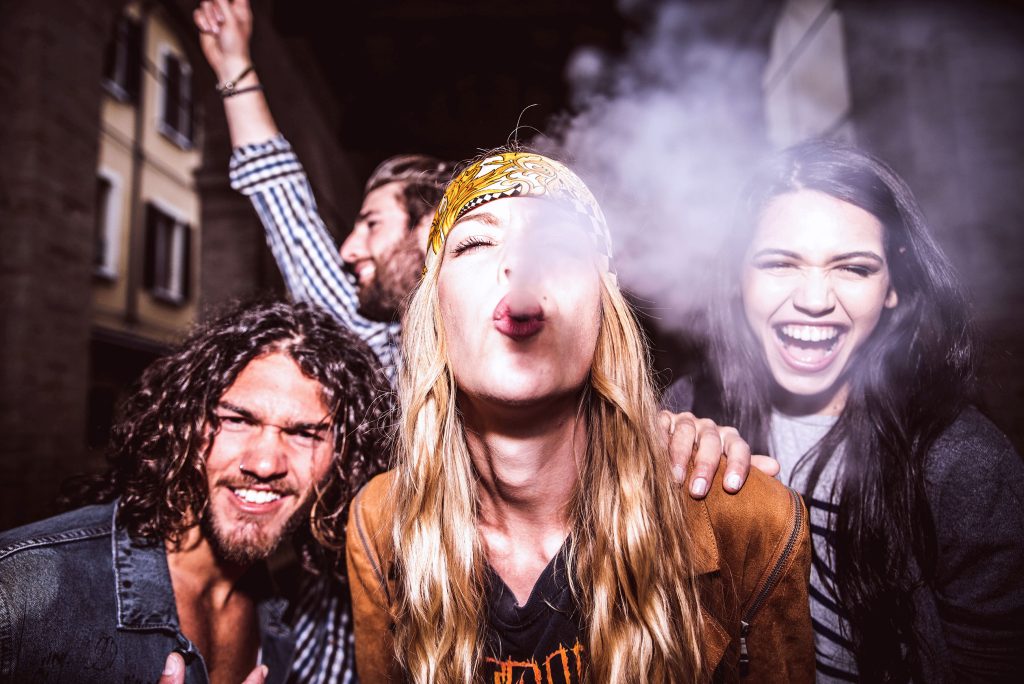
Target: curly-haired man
<point>256,431</point>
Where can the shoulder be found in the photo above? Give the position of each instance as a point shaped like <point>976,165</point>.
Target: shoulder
<point>81,524</point>
<point>763,512</point>
<point>750,537</point>
<point>973,456</point>
<point>369,524</point>
<point>972,435</point>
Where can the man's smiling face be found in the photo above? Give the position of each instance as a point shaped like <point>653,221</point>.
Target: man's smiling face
<point>272,447</point>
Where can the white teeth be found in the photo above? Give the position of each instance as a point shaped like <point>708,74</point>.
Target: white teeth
<point>256,496</point>
<point>810,333</point>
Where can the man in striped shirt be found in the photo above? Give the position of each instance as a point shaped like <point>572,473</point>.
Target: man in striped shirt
<point>364,285</point>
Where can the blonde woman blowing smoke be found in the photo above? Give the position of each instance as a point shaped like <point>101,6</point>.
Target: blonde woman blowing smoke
<point>527,532</point>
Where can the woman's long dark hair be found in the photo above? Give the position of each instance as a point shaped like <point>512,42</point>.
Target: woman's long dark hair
<point>167,426</point>
<point>907,383</point>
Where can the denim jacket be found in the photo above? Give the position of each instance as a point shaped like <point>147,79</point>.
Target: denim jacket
<point>80,601</point>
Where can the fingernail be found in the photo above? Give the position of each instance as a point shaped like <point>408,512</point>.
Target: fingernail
<point>678,473</point>
<point>266,670</point>
<point>171,665</point>
<point>699,487</point>
<point>733,481</point>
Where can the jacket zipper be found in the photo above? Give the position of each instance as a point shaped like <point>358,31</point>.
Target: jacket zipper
<point>773,579</point>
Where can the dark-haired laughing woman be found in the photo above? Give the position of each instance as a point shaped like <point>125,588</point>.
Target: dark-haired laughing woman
<point>843,348</point>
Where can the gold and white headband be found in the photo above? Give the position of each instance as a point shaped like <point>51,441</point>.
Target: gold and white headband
<point>518,174</point>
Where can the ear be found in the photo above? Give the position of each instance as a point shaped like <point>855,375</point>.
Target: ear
<point>891,298</point>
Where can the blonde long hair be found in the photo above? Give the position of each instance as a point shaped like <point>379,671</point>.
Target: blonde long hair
<point>630,559</point>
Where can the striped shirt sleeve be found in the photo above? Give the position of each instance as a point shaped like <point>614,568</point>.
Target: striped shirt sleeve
<point>271,176</point>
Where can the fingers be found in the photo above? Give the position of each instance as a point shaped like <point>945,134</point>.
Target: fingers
<point>679,432</point>
<point>174,670</point>
<point>666,425</point>
<point>222,9</point>
<point>737,459</point>
<point>207,18</point>
<point>706,457</point>
<point>700,443</point>
<point>200,21</point>
<point>257,676</point>
<point>766,464</point>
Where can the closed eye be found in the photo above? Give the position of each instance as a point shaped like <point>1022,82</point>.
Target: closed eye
<point>470,243</point>
<point>311,435</point>
<point>233,421</point>
<point>859,269</point>
<point>773,265</point>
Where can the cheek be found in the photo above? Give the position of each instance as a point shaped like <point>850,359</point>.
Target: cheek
<point>757,300</point>
<point>865,303</point>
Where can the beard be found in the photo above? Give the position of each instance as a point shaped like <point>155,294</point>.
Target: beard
<point>250,539</point>
<point>384,298</point>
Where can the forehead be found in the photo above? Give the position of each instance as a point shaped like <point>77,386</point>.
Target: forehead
<point>522,212</point>
<point>387,197</point>
<point>273,386</point>
<point>813,222</point>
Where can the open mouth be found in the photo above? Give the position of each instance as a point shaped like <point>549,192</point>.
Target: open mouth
<point>809,346</point>
<point>256,497</point>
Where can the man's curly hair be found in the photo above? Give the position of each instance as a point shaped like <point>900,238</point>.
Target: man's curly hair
<point>166,428</point>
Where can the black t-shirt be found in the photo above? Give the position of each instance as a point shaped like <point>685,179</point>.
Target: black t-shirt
<point>537,642</point>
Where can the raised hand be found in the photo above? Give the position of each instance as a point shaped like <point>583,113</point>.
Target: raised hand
<point>225,27</point>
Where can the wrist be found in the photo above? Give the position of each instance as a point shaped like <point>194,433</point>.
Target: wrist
<point>231,67</point>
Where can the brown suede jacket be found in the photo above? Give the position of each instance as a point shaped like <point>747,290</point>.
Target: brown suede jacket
<point>752,553</point>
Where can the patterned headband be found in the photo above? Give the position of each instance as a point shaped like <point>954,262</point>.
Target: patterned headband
<point>518,174</point>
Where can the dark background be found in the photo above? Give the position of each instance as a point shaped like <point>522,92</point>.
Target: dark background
<point>935,88</point>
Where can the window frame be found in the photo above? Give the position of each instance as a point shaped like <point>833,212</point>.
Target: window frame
<point>183,139</point>
<point>162,292</point>
<point>107,269</point>
<point>124,90</point>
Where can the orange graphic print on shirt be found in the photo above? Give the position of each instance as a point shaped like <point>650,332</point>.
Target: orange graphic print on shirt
<point>563,666</point>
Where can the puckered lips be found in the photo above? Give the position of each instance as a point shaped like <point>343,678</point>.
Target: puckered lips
<point>519,316</point>
<point>809,347</point>
<point>258,499</point>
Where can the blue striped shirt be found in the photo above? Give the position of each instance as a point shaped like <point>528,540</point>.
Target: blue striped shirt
<point>273,179</point>
<point>270,175</point>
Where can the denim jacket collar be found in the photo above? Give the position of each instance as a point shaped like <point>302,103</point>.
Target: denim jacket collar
<point>145,595</point>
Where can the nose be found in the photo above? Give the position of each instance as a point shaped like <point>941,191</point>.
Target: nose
<point>354,247</point>
<point>814,295</point>
<point>521,262</point>
<point>265,457</point>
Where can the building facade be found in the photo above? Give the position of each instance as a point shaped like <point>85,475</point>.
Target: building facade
<point>120,228</point>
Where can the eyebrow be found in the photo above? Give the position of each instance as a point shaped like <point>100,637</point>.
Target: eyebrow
<point>484,217</point>
<point>290,427</point>
<point>839,257</point>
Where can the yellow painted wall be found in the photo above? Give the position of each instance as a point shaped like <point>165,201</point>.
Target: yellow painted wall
<point>167,179</point>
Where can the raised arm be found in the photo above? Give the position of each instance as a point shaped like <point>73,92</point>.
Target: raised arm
<point>266,170</point>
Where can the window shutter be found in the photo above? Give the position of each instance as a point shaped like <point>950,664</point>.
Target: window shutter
<point>186,266</point>
<point>100,237</point>
<point>150,247</point>
<point>172,92</point>
<point>185,110</point>
<point>133,57</point>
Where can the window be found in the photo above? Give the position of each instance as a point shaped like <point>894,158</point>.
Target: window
<point>166,270</point>
<point>107,227</point>
<point>122,69</point>
<point>176,111</point>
